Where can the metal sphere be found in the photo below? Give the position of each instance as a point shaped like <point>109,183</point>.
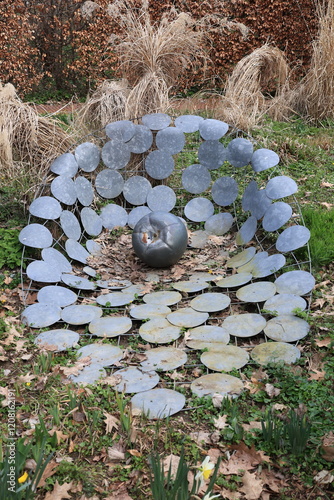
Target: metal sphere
<point>160,239</point>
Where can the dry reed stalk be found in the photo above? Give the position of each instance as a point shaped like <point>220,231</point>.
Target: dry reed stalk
<point>314,96</point>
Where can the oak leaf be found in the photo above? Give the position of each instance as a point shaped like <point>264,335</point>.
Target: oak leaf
<point>110,422</point>
<point>59,492</point>
<point>252,487</point>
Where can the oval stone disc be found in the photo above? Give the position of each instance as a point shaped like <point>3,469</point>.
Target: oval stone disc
<point>135,380</point>
<point>244,325</point>
<point>247,231</point>
<point>210,302</point>
<point>161,198</point>
<point>286,328</point>
<point>219,224</point>
<point>80,314</point>
<point>156,121</point>
<point>164,358</point>
<point>70,225</point>
<point>63,188</point>
<point>141,140</point>
<point>224,191</point>
<point>123,130</point>
<point>268,265</point>
<point>241,258</point>
<point>211,129</point>
<point>256,292</point>
<point>84,189</point>
<point>54,258</point>
<point>196,179</point>
<point>190,286</point>
<point>295,282</point>
<point>56,295</point>
<point>163,298</point>
<point>44,272</point>
<point>212,154</point>
<point>207,337</point>
<point>89,374</point>
<point>170,140</point>
<point>263,159</point>
<point>76,251</point>
<point>159,164</point>
<point>285,303</point>
<point>115,299</point>
<point>110,326</point>
<point>157,403</point>
<point>116,284</point>
<point>46,207</point>
<point>65,164</point>
<point>292,237</point>
<point>256,201</point>
<point>249,266</point>
<point>227,358</point>
<point>77,282</point>
<point>276,216</point>
<point>109,183</point>
<point>115,154</point>
<point>234,280</point>
<point>187,317</point>
<point>149,311</point>
<point>275,352</point>
<point>41,315</point>
<point>217,383</point>
<point>57,340</point>
<point>280,187</point>
<point>93,247</point>
<point>199,209</point>
<point>36,236</point>
<point>239,152</point>
<point>113,215</point>
<point>159,331</point>
<point>136,190</point>
<point>91,221</point>
<point>103,354</point>
<point>136,214</point>
<point>87,156</point>
<point>188,123</point>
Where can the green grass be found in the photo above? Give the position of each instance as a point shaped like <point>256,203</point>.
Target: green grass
<point>321,243</point>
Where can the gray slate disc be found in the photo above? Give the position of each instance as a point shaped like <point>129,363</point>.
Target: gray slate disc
<point>103,354</point>
<point>199,209</point>
<point>255,200</point>
<point>41,271</point>
<point>211,129</point>
<point>164,358</point>
<point>63,188</point>
<point>234,280</point>
<point>46,207</point>
<point>149,311</point>
<point>93,247</point>
<point>90,271</point>
<point>55,258</point>
<point>57,340</point>
<point>256,260</point>
<point>241,258</point>
<point>80,314</point>
<point>157,403</point>
<point>116,284</point>
<point>113,215</point>
<point>219,224</point>
<point>159,164</point>
<point>239,152</point>
<point>156,121</point>
<point>207,337</point>
<point>226,358</point>
<point>109,183</point>
<point>141,141</point>
<point>292,237</point>
<point>256,292</point>
<point>286,328</point>
<point>77,282</point>
<point>247,231</point>
<point>196,179</point>
<point>276,216</point>
<point>263,159</point>
<point>190,286</point>
<point>171,140</point>
<point>123,130</point>
<point>224,191</point>
<point>91,221</point>
<point>285,303</point>
<point>163,298</point>
<point>65,164</point>
<point>275,352</point>
<point>70,225</point>
<point>115,299</point>
<point>136,214</point>
<point>188,123</point>
<point>136,190</point>
<point>268,265</point>
<point>87,156</point>
<point>41,315</point>
<point>89,374</point>
<point>36,236</point>
<point>115,154</point>
<point>296,282</point>
<point>110,326</point>
<point>217,383</point>
<point>187,317</point>
<point>76,251</point>
<point>135,380</point>
<point>85,191</point>
<point>244,325</point>
<point>161,198</point>
<point>57,295</point>
<point>159,331</point>
<point>210,302</point>
<point>212,154</point>
<point>280,187</point>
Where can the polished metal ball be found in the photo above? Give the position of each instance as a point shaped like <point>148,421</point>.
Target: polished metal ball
<point>160,239</point>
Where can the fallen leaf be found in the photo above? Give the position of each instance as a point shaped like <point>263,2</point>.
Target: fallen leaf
<point>59,491</point>
<point>271,390</point>
<point>326,184</point>
<point>324,477</point>
<point>252,487</point>
<point>217,400</point>
<point>323,342</point>
<point>49,471</point>
<point>327,447</point>
<point>135,453</point>
<point>111,422</point>
<point>200,437</point>
<point>220,422</point>
<point>254,425</point>
<point>25,379</point>
<point>76,368</point>
<point>317,375</point>
<point>171,463</point>
<point>116,452</point>
<point>230,495</point>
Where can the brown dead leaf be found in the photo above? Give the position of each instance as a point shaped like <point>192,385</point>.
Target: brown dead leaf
<point>59,492</point>
<point>323,342</point>
<point>230,495</point>
<point>254,425</point>
<point>178,272</point>
<point>327,447</point>
<point>252,487</point>
<point>171,463</point>
<point>200,437</point>
<point>220,422</point>
<point>326,184</point>
<point>111,422</point>
<point>120,494</point>
<point>26,379</point>
<point>316,375</point>
<point>76,368</point>
<point>116,452</point>
<point>135,453</point>
<point>271,390</point>
<point>49,471</point>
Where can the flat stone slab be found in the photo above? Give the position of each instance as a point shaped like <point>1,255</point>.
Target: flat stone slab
<point>103,354</point>
<point>164,298</point>
<point>295,282</point>
<point>244,325</point>
<point>149,311</point>
<point>207,337</point>
<point>134,379</point>
<point>275,352</point>
<point>159,331</point>
<point>210,302</point>
<point>217,383</point>
<point>241,258</point>
<point>285,303</point>
<point>286,328</point>
<point>57,340</point>
<point>110,326</point>
<point>226,358</point>
<point>80,314</point>
<point>190,286</point>
<point>164,358</point>
<point>157,403</point>
<point>256,292</point>
<point>234,280</point>
<point>56,295</point>
<point>90,374</point>
<point>36,236</point>
<point>186,317</point>
<point>41,315</point>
